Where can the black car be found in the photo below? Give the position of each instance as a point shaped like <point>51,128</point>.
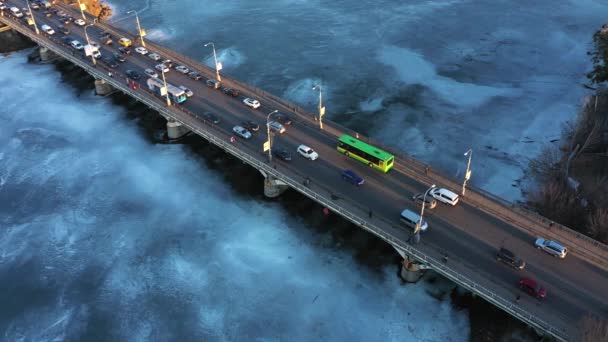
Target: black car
<point>168,63</point>
<point>124,50</point>
<point>63,29</point>
<point>250,125</point>
<point>66,40</point>
<point>105,34</point>
<point>47,14</point>
<point>281,153</point>
<point>110,62</point>
<point>119,58</point>
<point>509,258</point>
<point>53,10</point>
<point>133,74</point>
<point>194,75</point>
<point>231,92</point>
<point>213,83</point>
<point>282,118</point>
<point>65,20</point>
<point>210,117</point>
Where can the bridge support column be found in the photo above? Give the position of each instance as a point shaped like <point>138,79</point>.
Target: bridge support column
<point>273,187</point>
<point>175,130</point>
<point>410,270</point>
<point>46,55</point>
<point>102,88</point>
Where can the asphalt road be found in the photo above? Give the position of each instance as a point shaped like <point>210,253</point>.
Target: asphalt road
<point>468,235</point>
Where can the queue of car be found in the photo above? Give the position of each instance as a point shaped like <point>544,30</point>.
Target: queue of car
<point>277,125</point>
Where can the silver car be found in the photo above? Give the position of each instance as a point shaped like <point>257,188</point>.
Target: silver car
<point>276,127</point>
<point>551,247</point>
<point>242,132</point>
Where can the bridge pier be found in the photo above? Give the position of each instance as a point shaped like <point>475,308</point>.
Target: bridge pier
<point>102,88</point>
<point>46,55</point>
<point>411,271</point>
<point>273,187</point>
<point>176,130</point>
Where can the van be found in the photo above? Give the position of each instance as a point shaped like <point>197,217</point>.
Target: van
<point>46,4</point>
<point>46,28</point>
<point>16,12</point>
<point>444,196</point>
<point>410,219</point>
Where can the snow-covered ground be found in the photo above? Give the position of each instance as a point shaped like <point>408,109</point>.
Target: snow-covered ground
<point>108,237</point>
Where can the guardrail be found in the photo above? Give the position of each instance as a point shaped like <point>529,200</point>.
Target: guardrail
<point>286,174</point>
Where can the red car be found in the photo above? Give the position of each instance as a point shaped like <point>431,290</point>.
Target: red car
<point>532,287</point>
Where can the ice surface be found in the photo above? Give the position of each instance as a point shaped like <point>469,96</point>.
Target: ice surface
<point>106,236</point>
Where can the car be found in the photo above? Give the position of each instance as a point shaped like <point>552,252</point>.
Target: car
<point>532,287</point>
<point>65,20</point>
<point>281,153</point>
<point>110,62</point>
<point>67,40</point>
<point>80,22</point>
<point>77,45</point>
<point>210,117</point>
<point>96,54</point>
<point>195,75</point>
<point>125,42</point>
<point>95,45</point>
<point>250,125</point>
<point>47,14</point>
<point>141,50</point>
<point>551,247</point>
<point>63,29</point>
<point>47,29</point>
<point>151,73</point>
<point>119,58</point>
<point>105,34</point>
<point>231,91</point>
<point>255,104</point>
<point>161,67</point>
<point>307,152</point>
<point>242,132</point>
<point>444,196</point>
<point>107,40</point>
<point>213,83</point>
<point>352,177</point>
<point>509,258</point>
<point>60,13</point>
<point>168,63</point>
<point>35,5</point>
<point>276,127</point>
<point>188,92</point>
<point>54,10</point>
<point>124,50</point>
<point>154,56</point>
<point>184,70</point>
<point>429,201</point>
<point>133,74</point>
<point>282,118</point>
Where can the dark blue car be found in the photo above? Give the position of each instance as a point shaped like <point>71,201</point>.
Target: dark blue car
<point>352,177</point>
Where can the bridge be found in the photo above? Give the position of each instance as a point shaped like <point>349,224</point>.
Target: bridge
<point>461,241</point>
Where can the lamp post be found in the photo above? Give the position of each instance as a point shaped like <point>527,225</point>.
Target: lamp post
<point>417,230</point>
<point>217,66</point>
<point>268,135</point>
<point>321,108</point>
<point>139,30</point>
<point>166,90</point>
<point>82,10</point>
<point>467,174</point>
<point>32,16</point>
<point>89,42</point>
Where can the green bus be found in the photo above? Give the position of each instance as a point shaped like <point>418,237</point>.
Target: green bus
<point>365,153</point>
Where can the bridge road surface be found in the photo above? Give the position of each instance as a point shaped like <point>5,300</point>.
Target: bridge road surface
<point>468,235</point>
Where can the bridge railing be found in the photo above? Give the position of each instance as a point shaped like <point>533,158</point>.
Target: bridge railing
<point>349,209</point>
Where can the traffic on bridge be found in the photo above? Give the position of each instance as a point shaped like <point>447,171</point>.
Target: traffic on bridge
<point>538,271</point>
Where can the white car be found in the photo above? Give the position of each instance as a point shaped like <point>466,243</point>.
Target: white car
<point>141,50</point>
<point>80,22</point>
<point>182,69</point>
<point>161,67</point>
<point>154,56</point>
<point>307,152</point>
<point>47,29</point>
<point>96,54</point>
<point>151,73</point>
<point>242,132</point>
<point>188,92</point>
<point>255,104</point>
<point>77,45</point>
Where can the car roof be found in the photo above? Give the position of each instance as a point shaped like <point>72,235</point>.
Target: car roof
<point>528,282</point>
<point>505,251</point>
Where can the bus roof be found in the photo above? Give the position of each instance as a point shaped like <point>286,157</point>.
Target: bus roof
<point>380,154</point>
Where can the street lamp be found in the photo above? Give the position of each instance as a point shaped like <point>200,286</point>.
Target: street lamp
<point>32,16</point>
<point>268,135</point>
<point>82,10</point>
<point>89,42</point>
<point>218,66</point>
<point>321,108</point>
<point>417,230</point>
<point>166,89</point>
<point>141,33</point>
<point>467,174</point>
